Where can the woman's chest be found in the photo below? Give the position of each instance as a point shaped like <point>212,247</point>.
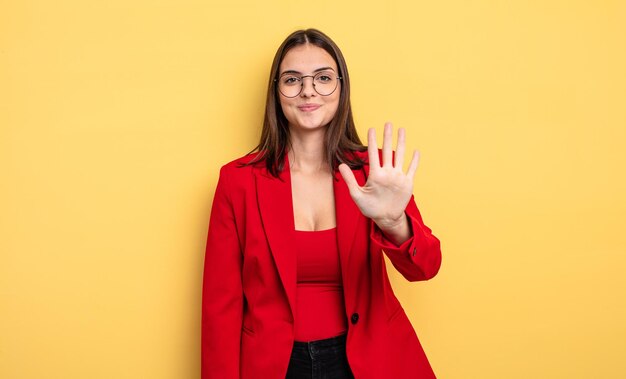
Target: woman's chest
<point>313,202</point>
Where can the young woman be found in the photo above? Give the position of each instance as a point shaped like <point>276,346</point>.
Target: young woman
<point>295,283</point>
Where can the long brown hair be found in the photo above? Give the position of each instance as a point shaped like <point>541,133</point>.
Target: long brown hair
<point>342,139</point>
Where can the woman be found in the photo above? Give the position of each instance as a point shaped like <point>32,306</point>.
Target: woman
<point>295,283</point>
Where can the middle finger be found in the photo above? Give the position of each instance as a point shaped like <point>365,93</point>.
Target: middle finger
<point>387,142</point>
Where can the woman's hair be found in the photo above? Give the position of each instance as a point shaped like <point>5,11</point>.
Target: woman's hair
<point>342,139</point>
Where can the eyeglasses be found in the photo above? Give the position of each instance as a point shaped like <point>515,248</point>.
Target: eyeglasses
<point>324,83</point>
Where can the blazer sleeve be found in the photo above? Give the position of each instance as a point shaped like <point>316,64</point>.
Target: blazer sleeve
<point>222,293</point>
<point>418,258</point>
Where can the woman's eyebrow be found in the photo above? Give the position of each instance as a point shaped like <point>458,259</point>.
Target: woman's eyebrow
<point>299,73</point>
<point>324,69</point>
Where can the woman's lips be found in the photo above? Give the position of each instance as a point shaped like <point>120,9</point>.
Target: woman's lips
<point>308,107</point>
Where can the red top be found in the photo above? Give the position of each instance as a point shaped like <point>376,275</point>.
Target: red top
<point>320,309</point>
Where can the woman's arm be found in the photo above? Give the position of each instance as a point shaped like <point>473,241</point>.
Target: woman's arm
<point>386,198</point>
<point>417,258</point>
<point>222,294</point>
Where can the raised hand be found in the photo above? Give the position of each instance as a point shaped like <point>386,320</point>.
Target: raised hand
<point>388,189</point>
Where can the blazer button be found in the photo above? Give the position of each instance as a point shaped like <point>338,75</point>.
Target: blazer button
<point>354,318</point>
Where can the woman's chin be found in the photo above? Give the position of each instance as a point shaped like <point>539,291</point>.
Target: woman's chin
<point>310,125</point>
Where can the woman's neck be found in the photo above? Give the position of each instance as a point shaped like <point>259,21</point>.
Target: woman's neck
<point>307,152</point>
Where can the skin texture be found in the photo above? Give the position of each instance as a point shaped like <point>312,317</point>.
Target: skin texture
<point>388,189</point>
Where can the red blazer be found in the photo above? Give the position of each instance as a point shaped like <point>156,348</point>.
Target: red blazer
<point>249,281</point>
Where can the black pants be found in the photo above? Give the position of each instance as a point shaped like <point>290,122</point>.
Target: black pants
<point>322,359</point>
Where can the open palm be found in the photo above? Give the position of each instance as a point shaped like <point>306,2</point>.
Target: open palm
<point>388,189</point>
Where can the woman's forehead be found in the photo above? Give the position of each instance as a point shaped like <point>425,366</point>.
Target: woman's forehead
<point>307,58</point>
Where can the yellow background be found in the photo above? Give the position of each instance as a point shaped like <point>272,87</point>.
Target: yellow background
<point>115,117</point>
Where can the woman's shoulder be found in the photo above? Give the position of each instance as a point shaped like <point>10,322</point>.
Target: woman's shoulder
<point>241,167</point>
<point>362,155</point>
<point>243,161</point>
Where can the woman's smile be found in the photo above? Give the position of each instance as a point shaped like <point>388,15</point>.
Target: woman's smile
<point>308,107</point>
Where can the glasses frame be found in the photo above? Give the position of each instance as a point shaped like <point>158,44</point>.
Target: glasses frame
<point>339,78</point>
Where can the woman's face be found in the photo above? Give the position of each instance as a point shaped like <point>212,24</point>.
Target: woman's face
<point>309,110</point>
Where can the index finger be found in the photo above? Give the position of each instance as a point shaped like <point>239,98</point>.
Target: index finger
<point>372,148</point>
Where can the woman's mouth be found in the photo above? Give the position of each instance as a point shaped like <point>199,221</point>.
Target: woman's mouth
<point>308,107</point>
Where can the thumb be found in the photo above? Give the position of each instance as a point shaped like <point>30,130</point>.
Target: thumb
<point>348,177</point>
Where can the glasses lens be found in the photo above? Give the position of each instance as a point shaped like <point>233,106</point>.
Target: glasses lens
<point>325,82</point>
<point>290,85</point>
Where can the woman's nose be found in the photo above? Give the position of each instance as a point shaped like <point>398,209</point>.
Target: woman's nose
<point>308,87</point>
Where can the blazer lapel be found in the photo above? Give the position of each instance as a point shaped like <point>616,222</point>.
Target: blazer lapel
<point>347,214</point>
<point>276,207</point>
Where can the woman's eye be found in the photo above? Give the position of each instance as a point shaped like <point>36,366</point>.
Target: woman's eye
<point>290,80</point>
<point>324,78</point>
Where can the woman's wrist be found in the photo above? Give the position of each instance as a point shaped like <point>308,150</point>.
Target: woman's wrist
<point>397,231</point>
